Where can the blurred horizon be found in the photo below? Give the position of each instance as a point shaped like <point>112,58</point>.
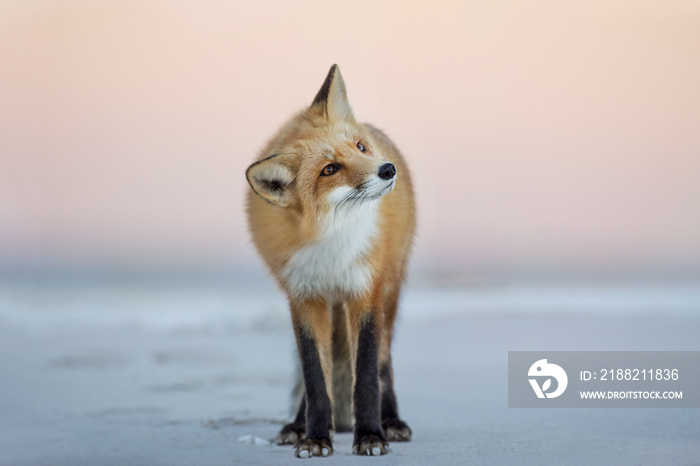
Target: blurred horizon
<point>546,138</point>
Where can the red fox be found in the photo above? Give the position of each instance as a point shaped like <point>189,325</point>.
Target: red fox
<point>332,214</point>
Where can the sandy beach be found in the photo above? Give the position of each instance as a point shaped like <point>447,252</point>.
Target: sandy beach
<point>101,373</point>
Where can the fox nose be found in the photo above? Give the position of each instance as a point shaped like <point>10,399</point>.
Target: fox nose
<point>387,171</point>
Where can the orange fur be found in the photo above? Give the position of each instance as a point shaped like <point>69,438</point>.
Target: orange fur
<point>298,223</point>
<point>305,142</point>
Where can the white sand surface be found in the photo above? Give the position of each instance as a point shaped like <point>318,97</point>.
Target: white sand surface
<point>101,373</point>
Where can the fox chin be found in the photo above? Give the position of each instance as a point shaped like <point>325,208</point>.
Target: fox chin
<point>332,214</point>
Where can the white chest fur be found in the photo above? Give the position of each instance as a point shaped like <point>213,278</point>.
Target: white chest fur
<point>335,261</point>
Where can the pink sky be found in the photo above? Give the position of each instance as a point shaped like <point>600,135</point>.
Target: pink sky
<point>541,134</point>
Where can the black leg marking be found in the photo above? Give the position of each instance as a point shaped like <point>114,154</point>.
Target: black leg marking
<point>293,433</point>
<point>395,429</point>
<point>318,406</point>
<point>369,436</point>
<point>390,409</point>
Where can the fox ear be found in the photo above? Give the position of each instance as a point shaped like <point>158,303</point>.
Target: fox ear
<point>272,179</point>
<point>332,98</point>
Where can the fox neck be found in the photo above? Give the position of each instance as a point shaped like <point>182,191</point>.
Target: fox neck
<point>335,261</point>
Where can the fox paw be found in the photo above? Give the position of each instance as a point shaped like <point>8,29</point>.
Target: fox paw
<point>370,445</point>
<point>291,434</point>
<point>314,447</point>
<point>396,430</point>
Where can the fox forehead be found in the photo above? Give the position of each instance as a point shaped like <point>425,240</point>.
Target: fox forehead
<point>311,136</point>
<point>338,149</point>
<point>331,148</point>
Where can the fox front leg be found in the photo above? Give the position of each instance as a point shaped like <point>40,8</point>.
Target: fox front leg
<point>313,332</point>
<point>369,435</point>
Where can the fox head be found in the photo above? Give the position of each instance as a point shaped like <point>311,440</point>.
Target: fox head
<point>323,160</point>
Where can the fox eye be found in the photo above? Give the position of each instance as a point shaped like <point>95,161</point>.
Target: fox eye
<point>360,146</point>
<point>330,169</point>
